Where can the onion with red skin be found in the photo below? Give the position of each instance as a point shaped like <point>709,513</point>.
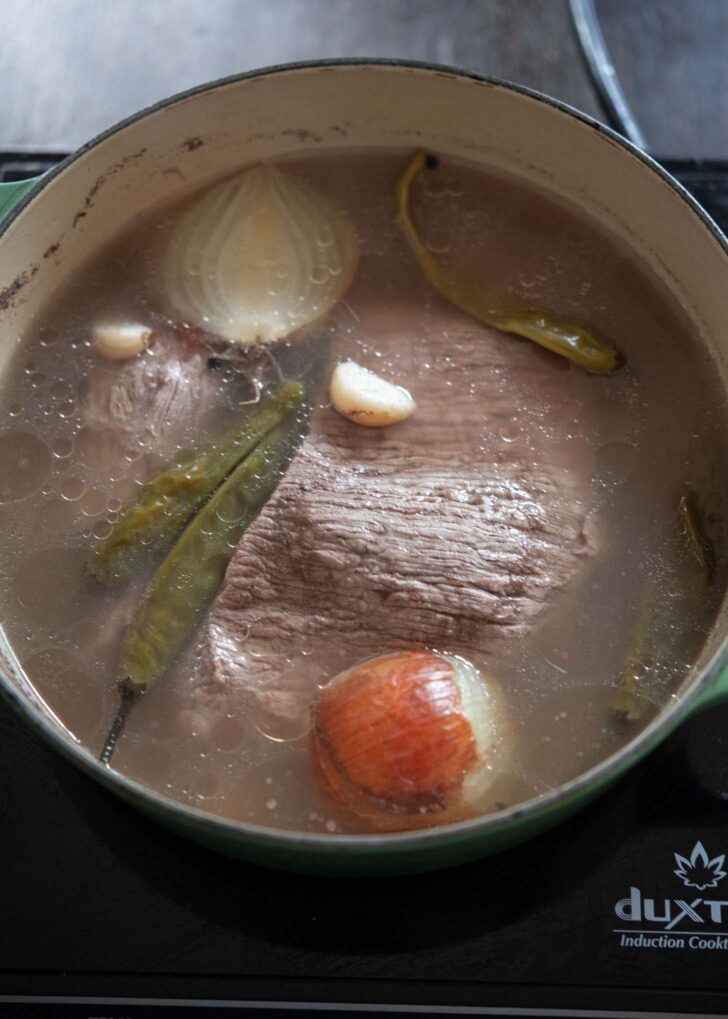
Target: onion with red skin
<point>408,738</point>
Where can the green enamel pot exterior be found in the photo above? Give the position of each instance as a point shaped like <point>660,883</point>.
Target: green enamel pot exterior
<point>59,220</point>
<point>12,192</point>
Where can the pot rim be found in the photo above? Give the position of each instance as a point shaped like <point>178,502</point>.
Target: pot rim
<point>355,844</point>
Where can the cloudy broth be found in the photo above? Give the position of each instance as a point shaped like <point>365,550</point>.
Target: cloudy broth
<point>621,449</point>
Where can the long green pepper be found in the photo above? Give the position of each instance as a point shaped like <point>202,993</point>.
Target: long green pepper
<point>188,579</point>
<point>190,576</point>
<point>168,500</point>
<point>500,309</point>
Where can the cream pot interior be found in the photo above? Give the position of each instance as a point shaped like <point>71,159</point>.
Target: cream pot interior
<point>212,131</point>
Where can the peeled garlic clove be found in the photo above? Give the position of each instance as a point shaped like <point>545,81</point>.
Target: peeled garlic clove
<point>407,735</point>
<point>366,398</point>
<point>259,256</point>
<point>120,340</point>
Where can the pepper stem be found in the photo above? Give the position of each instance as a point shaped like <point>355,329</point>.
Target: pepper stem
<point>129,697</point>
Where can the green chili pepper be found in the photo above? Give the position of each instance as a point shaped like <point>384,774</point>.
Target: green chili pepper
<point>168,500</point>
<point>700,545</point>
<point>190,576</point>
<point>629,701</point>
<point>505,311</point>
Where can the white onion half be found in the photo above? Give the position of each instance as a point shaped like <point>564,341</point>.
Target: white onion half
<point>259,256</point>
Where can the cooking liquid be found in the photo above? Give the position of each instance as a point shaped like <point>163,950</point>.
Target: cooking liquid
<point>633,442</point>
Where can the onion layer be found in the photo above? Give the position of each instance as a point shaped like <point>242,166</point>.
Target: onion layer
<point>259,256</point>
<point>407,738</point>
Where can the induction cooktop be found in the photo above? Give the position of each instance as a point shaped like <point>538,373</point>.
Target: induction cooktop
<point>622,911</point>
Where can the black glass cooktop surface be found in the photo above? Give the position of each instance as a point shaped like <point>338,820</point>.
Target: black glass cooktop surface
<point>623,910</point>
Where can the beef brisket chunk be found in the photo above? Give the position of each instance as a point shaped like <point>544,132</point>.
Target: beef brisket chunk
<point>439,532</point>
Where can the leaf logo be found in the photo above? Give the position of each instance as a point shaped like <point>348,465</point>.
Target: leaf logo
<point>699,871</point>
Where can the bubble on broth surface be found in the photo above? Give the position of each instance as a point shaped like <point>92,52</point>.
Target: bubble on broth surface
<point>93,502</point>
<point>231,512</point>
<point>281,709</point>
<point>281,728</point>
<point>63,447</point>
<point>67,409</point>
<point>101,529</point>
<point>25,463</point>
<point>72,488</point>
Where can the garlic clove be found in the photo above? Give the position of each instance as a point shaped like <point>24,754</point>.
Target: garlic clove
<point>365,398</point>
<point>259,257</point>
<point>409,738</point>
<point>120,341</point>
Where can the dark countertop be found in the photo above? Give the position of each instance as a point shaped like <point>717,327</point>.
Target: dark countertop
<point>71,68</point>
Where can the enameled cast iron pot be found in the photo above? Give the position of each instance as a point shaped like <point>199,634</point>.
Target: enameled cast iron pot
<point>60,220</point>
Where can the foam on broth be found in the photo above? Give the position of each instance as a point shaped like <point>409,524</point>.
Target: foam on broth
<point>635,440</point>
